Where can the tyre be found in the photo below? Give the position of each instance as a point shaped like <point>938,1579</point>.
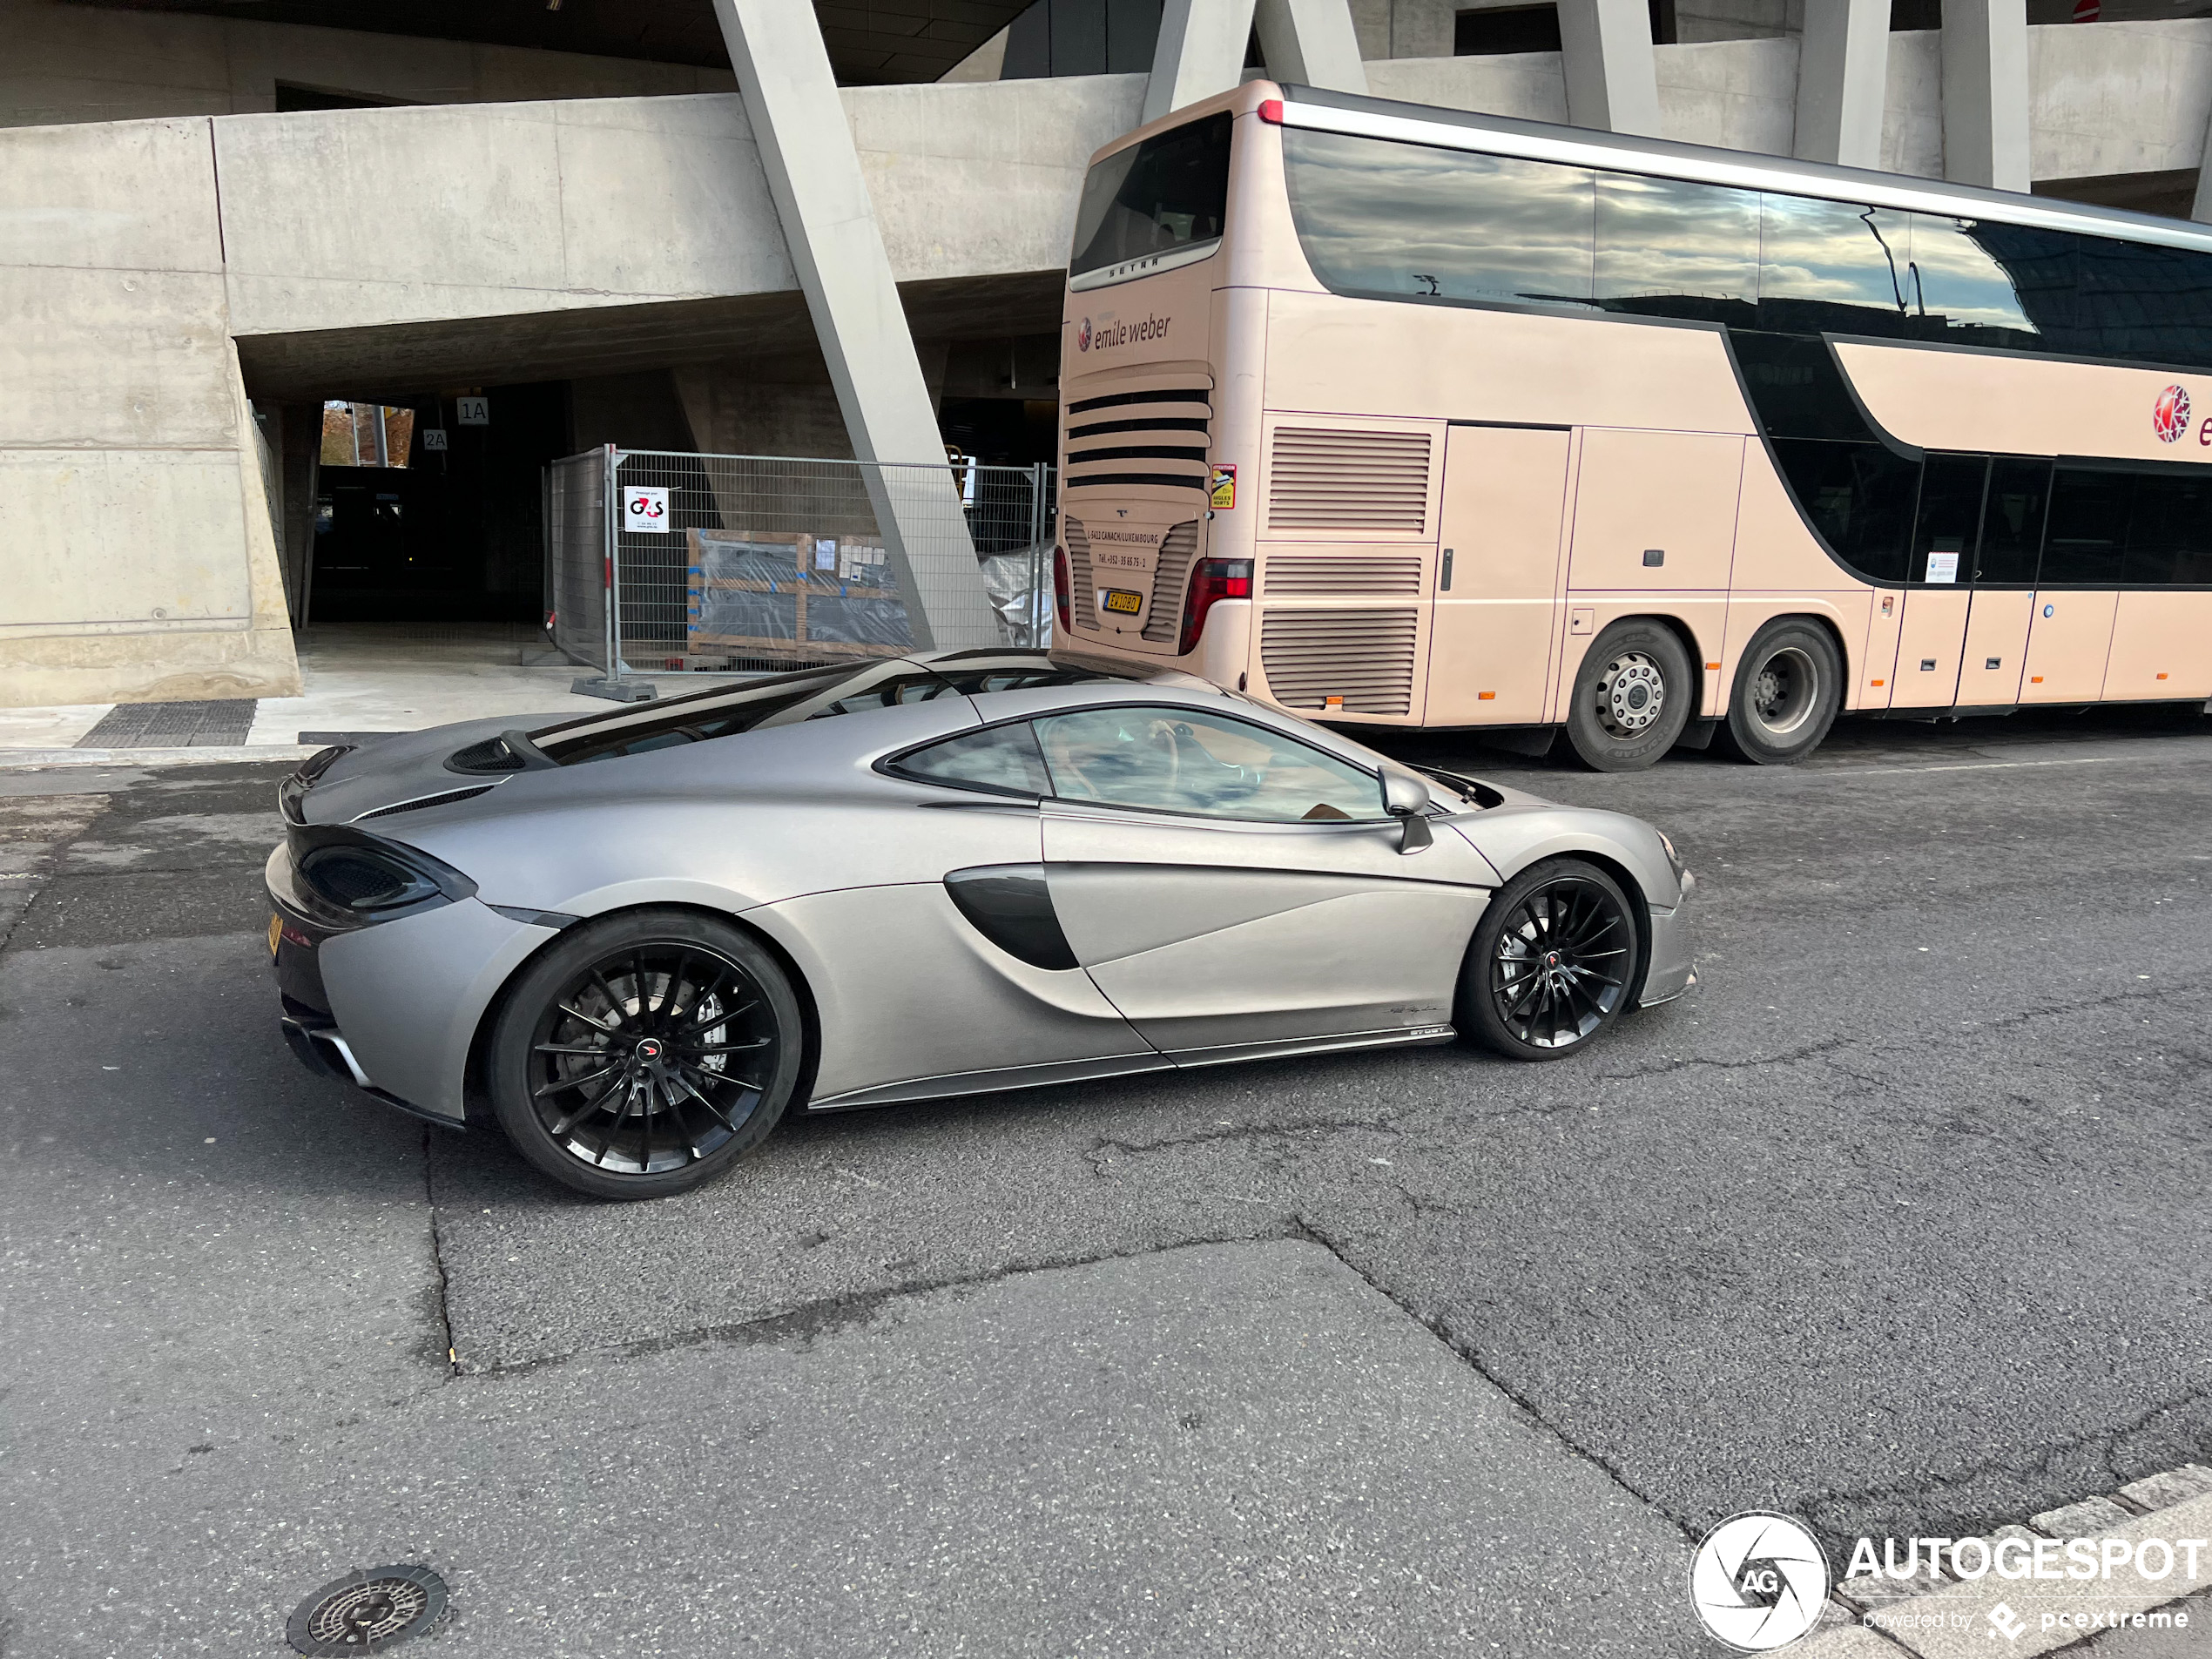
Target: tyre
<point>645,1053</point>
<point>1552,962</point>
<point>1788,689</point>
<point>1633,695</point>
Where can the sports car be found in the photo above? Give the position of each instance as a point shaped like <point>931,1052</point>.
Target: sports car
<point>637,940</point>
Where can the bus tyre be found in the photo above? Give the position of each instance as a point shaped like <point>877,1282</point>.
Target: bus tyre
<point>1633,695</point>
<point>1788,688</point>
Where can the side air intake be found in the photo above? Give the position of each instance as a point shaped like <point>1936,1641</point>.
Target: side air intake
<point>1333,480</point>
<point>1295,576</point>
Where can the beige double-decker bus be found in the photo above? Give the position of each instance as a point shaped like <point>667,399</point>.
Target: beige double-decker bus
<point>1399,416</point>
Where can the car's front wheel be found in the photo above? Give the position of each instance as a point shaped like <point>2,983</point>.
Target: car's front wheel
<point>645,1053</point>
<point>1552,961</point>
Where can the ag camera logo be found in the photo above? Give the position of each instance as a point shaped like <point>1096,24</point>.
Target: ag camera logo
<point>1758,1582</point>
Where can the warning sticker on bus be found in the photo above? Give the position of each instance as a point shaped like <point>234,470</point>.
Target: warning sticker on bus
<point>1124,602</point>
<point>1222,489</point>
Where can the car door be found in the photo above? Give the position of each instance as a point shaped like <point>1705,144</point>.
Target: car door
<point>1231,887</point>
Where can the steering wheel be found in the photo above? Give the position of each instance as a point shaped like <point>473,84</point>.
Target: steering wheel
<point>1161,735</point>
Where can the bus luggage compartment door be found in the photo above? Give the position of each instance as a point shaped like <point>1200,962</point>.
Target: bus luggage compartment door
<point>1493,640</point>
<point>1928,646</point>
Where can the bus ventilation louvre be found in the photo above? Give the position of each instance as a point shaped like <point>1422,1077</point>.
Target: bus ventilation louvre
<point>1294,575</point>
<point>1151,438</point>
<point>1364,657</point>
<point>1164,622</point>
<point>1349,481</point>
<point>1082,598</point>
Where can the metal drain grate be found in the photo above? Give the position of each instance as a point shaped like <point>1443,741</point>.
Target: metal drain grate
<point>367,1611</point>
<point>222,722</point>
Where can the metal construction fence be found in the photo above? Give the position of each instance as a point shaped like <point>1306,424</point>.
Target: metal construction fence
<point>664,561</point>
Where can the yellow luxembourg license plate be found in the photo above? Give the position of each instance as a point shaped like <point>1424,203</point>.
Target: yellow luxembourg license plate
<point>276,930</point>
<point>1121,600</point>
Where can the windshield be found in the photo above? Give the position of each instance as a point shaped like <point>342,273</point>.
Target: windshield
<point>1168,192</point>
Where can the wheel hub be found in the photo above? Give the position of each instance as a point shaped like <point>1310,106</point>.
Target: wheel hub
<point>1631,694</point>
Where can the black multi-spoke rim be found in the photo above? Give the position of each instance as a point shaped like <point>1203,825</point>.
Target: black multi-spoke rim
<point>1562,963</point>
<point>652,1058</point>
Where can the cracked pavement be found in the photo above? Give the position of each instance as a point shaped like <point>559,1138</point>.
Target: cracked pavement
<point>1898,1223</point>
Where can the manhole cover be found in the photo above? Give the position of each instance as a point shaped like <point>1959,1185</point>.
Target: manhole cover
<point>367,1611</point>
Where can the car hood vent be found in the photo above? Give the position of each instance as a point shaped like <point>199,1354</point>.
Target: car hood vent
<point>492,755</point>
<point>445,798</point>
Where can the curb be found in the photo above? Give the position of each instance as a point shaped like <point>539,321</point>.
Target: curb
<point>41,759</point>
<point>1931,1616</point>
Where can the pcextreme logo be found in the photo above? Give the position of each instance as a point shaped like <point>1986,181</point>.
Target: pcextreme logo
<point>1110,332</point>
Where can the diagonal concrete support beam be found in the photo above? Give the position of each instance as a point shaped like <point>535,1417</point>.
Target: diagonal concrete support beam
<point>829,221</point>
<point>1612,73</point>
<point>1843,79</point>
<point>1201,48</point>
<point>1310,43</point>
<point>1985,92</point>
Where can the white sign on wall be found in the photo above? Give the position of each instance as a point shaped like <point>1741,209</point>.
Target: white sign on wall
<point>474,411</point>
<point>434,437</point>
<point>646,510</point>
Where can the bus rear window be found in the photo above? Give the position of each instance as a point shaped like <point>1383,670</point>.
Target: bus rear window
<point>1169,193</point>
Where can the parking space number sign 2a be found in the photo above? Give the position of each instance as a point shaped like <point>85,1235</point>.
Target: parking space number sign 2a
<point>646,510</point>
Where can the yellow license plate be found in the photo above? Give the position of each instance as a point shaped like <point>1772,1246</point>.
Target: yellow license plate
<point>276,931</point>
<point>1122,600</point>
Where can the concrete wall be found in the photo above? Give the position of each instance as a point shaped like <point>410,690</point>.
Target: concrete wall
<point>132,506</point>
<point>74,63</point>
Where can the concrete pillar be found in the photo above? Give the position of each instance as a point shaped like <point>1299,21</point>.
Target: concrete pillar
<point>2200,208</point>
<point>821,196</point>
<point>302,464</point>
<point>1612,74</point>
<point>1843,73</point>
<point>1985,92</point>
<point>1200,51</point>
<point>1312,43</point>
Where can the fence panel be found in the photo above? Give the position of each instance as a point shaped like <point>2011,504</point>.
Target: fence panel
<point>576,548</point>
<point>730,564</point>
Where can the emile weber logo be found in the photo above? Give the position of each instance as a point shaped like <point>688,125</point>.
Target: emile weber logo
<point>1110,332</point>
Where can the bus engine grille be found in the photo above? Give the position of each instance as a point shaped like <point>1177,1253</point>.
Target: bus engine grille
<point>1163,626</point>
<point>1082,598</point>
<point>1321,480</point>
<point>1297,574</point>
<point>1365,657</point>
<point>1148,438</point>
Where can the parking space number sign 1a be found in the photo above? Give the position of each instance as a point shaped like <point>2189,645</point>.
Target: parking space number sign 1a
<point>473,411</point>
<point>646,510</point>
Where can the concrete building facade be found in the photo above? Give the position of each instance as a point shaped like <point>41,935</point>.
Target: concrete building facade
<point>211,224</point>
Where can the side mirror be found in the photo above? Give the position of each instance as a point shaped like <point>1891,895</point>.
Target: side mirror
<point>1406,799</point>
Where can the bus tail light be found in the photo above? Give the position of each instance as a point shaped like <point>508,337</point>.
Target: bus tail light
<point>1061,587</point>
<point>1213,579</point>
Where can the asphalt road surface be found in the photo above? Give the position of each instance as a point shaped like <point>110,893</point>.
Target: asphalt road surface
<point>1897,1222</point>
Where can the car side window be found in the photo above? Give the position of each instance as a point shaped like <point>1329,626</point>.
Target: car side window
<point>1000,758</point>
<point>1181,760</point>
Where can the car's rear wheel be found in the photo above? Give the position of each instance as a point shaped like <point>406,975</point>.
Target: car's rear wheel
<point>1552,962</point>
<point>1788,689</point>
<point>645,1053</point>
<point>1632,697</point>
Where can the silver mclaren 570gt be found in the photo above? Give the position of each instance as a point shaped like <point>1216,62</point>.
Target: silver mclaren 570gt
<point>637,938</point>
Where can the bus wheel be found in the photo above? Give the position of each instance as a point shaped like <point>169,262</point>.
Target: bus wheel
<point>1788,688</point>
<point>1632,697</point>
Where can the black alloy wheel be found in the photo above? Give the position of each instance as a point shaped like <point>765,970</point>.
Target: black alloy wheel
<point>1634,692</point>
<point>1553,960</point>
<point>1788,687</point>
<point>645,1053</point>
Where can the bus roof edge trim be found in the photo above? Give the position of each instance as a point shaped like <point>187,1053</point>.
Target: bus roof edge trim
<point>1536,141</point>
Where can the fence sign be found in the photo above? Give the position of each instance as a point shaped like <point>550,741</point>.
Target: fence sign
<point>473,411</point>
<point>644,509</point>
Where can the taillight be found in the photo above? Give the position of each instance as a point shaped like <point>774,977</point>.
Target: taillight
<point>1213,579</point>
<point>1061,587</point>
